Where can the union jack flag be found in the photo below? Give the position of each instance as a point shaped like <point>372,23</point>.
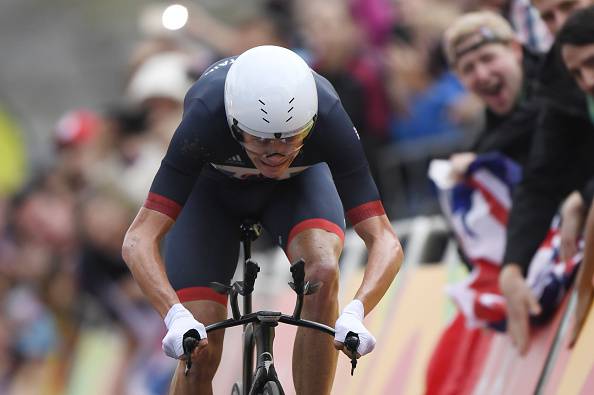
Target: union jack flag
<point>477,209</point>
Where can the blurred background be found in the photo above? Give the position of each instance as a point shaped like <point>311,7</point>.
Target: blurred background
<point>90,94</point>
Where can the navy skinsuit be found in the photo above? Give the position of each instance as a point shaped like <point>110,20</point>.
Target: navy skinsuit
<point>208,184</point>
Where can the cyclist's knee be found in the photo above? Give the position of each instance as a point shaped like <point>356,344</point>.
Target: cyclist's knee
<point>326,272</point>
<point>322,305</point>
<point>320,249</point>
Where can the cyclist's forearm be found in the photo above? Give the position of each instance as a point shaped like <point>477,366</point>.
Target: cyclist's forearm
<point>385,257</point>
<point>141,253</point>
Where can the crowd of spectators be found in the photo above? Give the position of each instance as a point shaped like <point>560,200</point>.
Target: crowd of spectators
<point>61,231</point>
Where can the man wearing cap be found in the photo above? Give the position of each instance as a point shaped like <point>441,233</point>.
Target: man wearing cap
<point>491,63</point>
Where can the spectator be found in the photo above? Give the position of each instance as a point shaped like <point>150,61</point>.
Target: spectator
<point>494,65</point>
<point>524,19</point>
<point>103,275</point>
<point>576,40</point>
<point>76,134</point>
<point>337,52</point>
<point>159,86</point>
<point>269,24</point>
<point>376,18</point>
<point>432,113</point>
<point>107,148</point>
<point>424,101</point>
<point>38,248</point>
<point>126,154</point>
<point>554,13</point>
<point>560,162</point>
<point>482,49</point>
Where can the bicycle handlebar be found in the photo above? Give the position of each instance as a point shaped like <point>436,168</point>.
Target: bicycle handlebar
<point>351,342</point>
<point>245,287</point>
<point>284,318</point>
<point>191,338</point>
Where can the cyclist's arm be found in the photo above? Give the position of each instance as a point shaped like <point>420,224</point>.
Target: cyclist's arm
<point>338,141</point>
<point>141,253</point>
<point>384,259</point>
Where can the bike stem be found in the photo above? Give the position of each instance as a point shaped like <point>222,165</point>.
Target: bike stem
<point>247,254</point>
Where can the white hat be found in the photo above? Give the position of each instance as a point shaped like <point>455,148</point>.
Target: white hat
<point>162,75</point>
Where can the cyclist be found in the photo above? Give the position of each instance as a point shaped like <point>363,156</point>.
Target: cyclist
<point>262,136</point>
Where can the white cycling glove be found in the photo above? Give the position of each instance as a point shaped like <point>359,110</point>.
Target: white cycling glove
<point>351,320</point>
<point>178,321</point>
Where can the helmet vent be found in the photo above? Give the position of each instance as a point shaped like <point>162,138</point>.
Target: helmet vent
<point>290,109</point>
<point>264,111</point>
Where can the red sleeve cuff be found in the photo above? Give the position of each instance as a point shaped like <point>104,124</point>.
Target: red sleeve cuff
<point>163,205</point>
<point>364,211</point>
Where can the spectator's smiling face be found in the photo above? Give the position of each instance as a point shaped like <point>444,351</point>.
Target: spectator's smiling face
<point>579,60</point>
<point>555,12</point>
<point>494,73</point>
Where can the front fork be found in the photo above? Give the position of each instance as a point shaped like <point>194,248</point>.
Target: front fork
<point>248,356</point>
<point>263,334</point>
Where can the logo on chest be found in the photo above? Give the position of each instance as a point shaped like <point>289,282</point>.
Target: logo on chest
<point>234,160</point>
<point>244,173</point>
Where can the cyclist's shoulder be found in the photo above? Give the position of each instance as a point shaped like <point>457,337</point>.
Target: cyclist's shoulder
<point>210,87</point>
<point>327,95</point>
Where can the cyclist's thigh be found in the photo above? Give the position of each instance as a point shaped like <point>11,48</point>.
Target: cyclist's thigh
<point>203,244</point>
<point>307,201</point>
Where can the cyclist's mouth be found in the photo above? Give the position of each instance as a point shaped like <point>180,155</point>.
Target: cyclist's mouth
<point>275,160</point>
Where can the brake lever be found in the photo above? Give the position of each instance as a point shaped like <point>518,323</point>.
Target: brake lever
<point>190,341</point>
<point>351,342</point>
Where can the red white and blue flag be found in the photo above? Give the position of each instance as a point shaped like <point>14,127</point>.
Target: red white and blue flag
<point>477,209</point>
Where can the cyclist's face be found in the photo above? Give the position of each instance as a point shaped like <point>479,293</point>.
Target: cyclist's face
<point>494,73</point>
<point>579,60</point>
<point>555,12</point>
<point>273,156</point>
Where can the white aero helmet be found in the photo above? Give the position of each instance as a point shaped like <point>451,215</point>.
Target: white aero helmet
<point>270,92</point>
